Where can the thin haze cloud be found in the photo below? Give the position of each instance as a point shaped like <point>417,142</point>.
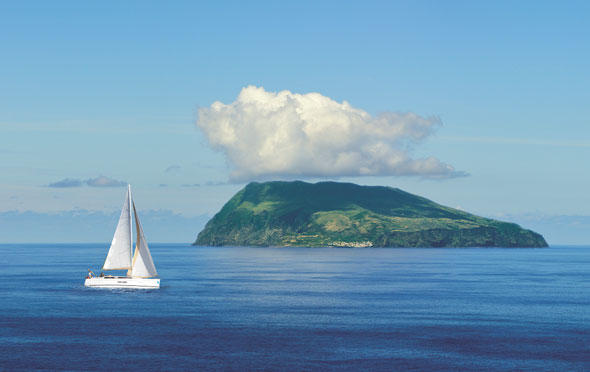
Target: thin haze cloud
<point>100,181</point>
<point>286,135</point>
<point>172,168</point>
<point>65,183</point>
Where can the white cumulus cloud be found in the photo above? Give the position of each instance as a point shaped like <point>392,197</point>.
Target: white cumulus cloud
<point>285,135</point>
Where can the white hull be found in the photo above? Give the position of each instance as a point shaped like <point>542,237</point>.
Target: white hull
<point>122,282</point>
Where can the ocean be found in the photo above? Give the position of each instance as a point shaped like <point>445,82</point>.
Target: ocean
<point>299,309</point>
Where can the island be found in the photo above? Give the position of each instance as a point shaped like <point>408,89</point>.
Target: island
<point>336,214</point>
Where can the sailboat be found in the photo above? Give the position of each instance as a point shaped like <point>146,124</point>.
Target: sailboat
<point>141,272</point>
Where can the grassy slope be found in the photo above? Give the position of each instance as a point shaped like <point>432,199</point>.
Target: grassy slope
<point>331,213</point>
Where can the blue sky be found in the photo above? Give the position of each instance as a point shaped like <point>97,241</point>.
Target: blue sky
<point>113,89</point>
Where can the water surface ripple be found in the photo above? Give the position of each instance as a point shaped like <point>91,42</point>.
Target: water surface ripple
<point>483,309</point>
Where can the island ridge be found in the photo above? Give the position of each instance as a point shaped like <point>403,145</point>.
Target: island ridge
<point>338,214</point>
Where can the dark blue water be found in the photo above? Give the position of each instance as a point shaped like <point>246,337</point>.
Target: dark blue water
<point>300,309</point>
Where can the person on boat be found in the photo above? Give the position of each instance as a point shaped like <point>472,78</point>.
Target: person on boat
<point>101,275</point>
<point>90,274</point>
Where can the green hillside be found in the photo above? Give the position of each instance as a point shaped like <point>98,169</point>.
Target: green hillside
<point>344,214</point>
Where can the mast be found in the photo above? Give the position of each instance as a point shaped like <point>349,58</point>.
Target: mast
<point>129,200</point>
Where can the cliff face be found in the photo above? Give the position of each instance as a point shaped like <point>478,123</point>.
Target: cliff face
<point>348,215</point>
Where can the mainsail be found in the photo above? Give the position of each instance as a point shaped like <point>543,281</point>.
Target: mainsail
<point>119,256</point>
<point>143,265</point>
